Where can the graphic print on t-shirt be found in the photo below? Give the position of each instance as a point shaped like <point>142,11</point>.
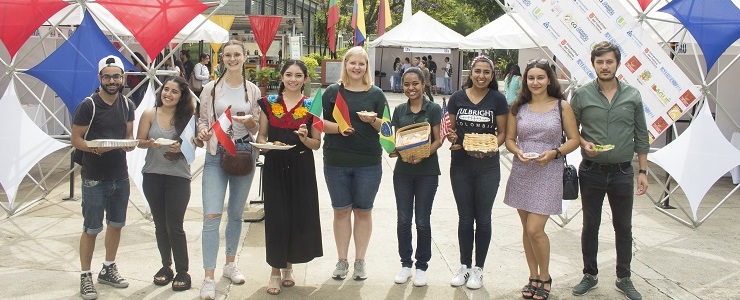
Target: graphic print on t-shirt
<point>475,118</point>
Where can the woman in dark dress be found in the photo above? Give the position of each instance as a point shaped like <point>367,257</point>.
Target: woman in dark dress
<point>292,226</point>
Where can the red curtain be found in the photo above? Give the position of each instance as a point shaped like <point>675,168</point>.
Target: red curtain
<point>154,23</point>
<point>264,29</point>
<point>19,19</point>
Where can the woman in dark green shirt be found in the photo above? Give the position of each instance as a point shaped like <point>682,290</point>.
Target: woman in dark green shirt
<point>415,180</point>
<point>352,161</point>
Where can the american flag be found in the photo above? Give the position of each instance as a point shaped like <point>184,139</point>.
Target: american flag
<point>444,127</point>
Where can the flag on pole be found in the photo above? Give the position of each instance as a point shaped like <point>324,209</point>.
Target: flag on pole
<point>384,17</point>
<point>341,113</point>
<point>315,110</point>
<point>220,129</point>
<point>387,136</point>
<point>187,147</point>
<point>444,128</point>
<point>358,22</point>
<point>331,22</point>
<point>406,11</point>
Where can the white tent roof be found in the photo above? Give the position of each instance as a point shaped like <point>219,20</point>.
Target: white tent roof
<point>209,32</point>
<point>420,30</point>
<point>502,33</point>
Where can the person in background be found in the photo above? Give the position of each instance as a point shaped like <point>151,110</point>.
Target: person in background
<point>478,108</point>
<point>416,61</point>
<point>432,66</point>
<point>427,84</point>
<point>105,182</point>
<point>397,71</point>
<point>513,83</point>
<point>201,71</point>
<point>610,112</point>
<point>292,222</point>
<point>187,64</point>
<point>535,186</point>
<point>352,159</point>
<point>447,69</point>
<point>133,80</point>
<point>406,65</point>
<point>166,182</point>
<point>415,180</point>
<point>230,90</point>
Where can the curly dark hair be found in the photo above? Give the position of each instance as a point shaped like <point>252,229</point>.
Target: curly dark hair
<point>185,108</point>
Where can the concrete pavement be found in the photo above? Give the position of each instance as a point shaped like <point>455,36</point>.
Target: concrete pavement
<point>39,251</point>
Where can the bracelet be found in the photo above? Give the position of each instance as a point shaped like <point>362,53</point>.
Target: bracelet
<point>642,171</point>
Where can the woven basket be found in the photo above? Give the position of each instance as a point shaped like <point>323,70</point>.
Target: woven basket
<point>480,143</point>
<point>413,140</point>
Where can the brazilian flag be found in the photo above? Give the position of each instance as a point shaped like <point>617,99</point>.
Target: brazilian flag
<point>387,136</point>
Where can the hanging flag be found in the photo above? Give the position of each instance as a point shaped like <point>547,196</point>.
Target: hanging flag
<point>406,11</point>
<point>315,110</point>
<point>387,136</point>
<point>221,128</point>
<point>331,22</point>
<point>341,113</point>
<point>644,4</point>
<point>384,17</point>
<point>358,22</point>
<point>444,128</point>
<point>187,147</point>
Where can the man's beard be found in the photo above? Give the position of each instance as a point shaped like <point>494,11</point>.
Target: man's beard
<point>105,88</point>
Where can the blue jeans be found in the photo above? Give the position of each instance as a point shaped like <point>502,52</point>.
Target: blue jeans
<point>109,197</point>
<point>215,181</point>
<point>414,194</point>
<point>354,187</point>
<point>448,86</point>
<point>619,187</point>
<point>474,185</point>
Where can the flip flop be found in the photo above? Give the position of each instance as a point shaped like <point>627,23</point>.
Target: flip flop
<point>163,276</point>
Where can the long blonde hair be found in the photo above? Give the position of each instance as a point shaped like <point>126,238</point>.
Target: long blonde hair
<point>357,50</point>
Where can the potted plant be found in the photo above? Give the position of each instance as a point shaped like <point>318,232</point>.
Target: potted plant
<point>263,77</point>
<point>311,65</point>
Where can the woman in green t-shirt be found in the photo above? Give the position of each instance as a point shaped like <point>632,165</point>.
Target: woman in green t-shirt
<point>415,179</point>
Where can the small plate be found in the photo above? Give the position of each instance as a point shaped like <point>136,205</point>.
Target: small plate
<point>164,141</point>
<point>367,113</point>
<point>531,155</point>
<point>112,143</point>
<point>271,146</point>
<point>240,118</point>
<point>603,148</point>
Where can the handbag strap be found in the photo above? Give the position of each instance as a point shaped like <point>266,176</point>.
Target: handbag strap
<point>562,129</point>
<point>91,117</point>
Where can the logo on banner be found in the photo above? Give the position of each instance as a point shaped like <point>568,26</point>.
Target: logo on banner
<point>585,68</point>
<point>670,78</point>
<point>537,13</point>
<point>621,22</point>
<point>660,124</point>
<point>612,40</point>
<point>568,49</point>
<point>596,22</point>
<point>661,94</point>
<point>651,57</point>
<point>648,112</point>
<point>571,22</point>
<point>675,112</point>
<point>606,7</point>
<point>634,39</point>
<point>527,3</point>
<point>554,34</point>
<point>644,77</point>
<point>687,98</point>
<point>651,137</point>
<point>633,64</point>
<point>556,10</point>
<point>580,5</point>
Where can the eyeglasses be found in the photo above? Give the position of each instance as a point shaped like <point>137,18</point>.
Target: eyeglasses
<point>541,61</point>
<point>109,77</point>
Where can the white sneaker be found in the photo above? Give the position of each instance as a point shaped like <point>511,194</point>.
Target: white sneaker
<point>233,273</point>
<point>208,289</point>
<point>403,275</point>
<point>476,278</point>
<point>420,279</point>
<point>461,277</point>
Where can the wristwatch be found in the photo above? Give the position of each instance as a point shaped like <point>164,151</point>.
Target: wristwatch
<point>642,171</point>
<point>558,154</point>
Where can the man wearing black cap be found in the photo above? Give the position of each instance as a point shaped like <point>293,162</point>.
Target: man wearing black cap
<point>107,114</point>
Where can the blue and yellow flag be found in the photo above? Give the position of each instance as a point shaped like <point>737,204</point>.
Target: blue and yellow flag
<point>387,136</point>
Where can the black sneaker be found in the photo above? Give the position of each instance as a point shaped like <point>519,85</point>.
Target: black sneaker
<point>109,275</point>
<point>87,288</point>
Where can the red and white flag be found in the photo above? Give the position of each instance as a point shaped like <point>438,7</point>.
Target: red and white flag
<point>220,129</point>
<point>444,126</point>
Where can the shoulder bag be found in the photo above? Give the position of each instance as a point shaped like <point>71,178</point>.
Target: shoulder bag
<point>195,84</point>
<point>242,163</point>
<point>570,173</point>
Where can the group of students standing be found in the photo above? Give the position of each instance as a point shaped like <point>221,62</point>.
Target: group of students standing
<point>352,160</point>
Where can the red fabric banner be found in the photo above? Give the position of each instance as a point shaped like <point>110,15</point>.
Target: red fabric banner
<point>154,23</point>
<point>644,3</point>
<point>20,18</point>
<point>264,29</point>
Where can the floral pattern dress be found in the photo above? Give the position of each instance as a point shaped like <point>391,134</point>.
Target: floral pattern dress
<point>292,224</point>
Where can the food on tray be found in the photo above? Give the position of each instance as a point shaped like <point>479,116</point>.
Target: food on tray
<point>277,143</point>
<point>112,143</point>
<point>367,113</point>
<point>480,142</point>
<point>412,138</point>
<point>531,155</point>
<point>602,148</point>
<point>164,141</point>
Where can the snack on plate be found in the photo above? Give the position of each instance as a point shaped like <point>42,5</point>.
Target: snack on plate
<point>413,138</point>
<point>602,148</point>
<point>367,113</point>
<point>279,143</point>
<point>164,141</point>
<point>531,155</point>
<point>480,143</point>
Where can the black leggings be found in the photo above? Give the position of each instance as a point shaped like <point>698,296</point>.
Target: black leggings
<point>168,198</point>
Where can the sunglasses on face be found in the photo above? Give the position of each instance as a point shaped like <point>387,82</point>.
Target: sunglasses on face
<point>541,61</point>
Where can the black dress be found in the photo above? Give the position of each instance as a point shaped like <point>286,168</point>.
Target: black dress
<point>292,224</point>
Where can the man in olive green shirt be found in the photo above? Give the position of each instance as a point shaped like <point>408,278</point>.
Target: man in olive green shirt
<point>610,112</point>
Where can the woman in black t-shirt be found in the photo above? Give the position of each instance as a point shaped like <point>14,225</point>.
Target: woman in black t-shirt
<point>478,108</point>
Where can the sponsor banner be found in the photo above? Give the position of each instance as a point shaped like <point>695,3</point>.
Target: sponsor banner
<point>573,27</point>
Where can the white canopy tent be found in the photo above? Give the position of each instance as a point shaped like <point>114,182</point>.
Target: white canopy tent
<point>419,35</point>
<point>502,33</point>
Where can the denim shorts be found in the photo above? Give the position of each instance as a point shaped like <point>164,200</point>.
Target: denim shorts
<point>109,197</point>
<point>354,187</point>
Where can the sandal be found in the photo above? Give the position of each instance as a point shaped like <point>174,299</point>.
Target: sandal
<point>541,292</point>
<point>287,276</point>
<point>163,276</point>
<point>530,288</point>
<point>273,288</point>
<point>182,282</point>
